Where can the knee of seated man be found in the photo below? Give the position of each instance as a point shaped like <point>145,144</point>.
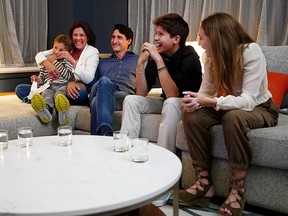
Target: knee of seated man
<point>105,81</point>
<point>172,102</point>
<point>131,99</point>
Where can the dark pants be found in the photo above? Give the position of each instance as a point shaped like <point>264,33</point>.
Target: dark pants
<point>236,123</point>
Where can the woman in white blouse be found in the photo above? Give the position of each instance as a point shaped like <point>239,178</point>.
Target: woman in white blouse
<point>233,93</point>
<point>84,58</point>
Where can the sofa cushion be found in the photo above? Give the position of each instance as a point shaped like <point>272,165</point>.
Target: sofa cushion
<point>276,58</point>
<point>150,126</point>
<point>119,97</point>
<point>14,114</point>
<point>268,144</point>
<point>83,120</point>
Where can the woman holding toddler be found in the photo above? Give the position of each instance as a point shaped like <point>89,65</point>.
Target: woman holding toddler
<point>84,59</point>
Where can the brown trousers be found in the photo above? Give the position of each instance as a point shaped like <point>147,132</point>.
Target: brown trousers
<point>236,123</point>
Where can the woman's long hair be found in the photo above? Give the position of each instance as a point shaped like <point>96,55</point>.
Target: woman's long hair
<point>228,41</point>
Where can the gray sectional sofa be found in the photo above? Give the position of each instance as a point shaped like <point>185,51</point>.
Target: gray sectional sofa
<point>267,178</point>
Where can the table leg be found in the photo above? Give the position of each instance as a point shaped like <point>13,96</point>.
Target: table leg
<point>176,199</point>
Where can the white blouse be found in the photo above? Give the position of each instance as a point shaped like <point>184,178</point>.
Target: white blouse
<point>254,89</point>
<point>86,66</point>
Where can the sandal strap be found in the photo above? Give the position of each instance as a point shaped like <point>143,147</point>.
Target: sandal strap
<point>198,175</point>
<point>200,189</point>
<point>237,199</point>
<point>238,191</point>
<point>237,182</point>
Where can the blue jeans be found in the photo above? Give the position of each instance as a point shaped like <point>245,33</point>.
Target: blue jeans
<point>102,106</point>
<point>22,91</point>
<point>83,98</point>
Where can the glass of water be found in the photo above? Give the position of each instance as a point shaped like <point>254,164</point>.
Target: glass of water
<point>3,140</point>
<point>65,135</point>
<point>120,141</point>
<point>25,135</point>
<point>139,150</point>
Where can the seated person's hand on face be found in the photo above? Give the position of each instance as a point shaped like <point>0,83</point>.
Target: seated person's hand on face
<point>152,51</point>
<point>65,55</point>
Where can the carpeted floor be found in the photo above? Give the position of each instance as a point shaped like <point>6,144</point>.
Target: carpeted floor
<point>213,207</point>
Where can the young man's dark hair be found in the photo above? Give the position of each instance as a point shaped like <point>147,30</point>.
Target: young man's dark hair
<point>175,25</point>
<point>123,29</point>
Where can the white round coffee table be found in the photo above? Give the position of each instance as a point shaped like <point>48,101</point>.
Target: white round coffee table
<point>85,178</point>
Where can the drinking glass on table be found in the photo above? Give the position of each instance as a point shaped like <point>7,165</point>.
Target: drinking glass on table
<point>3,140</point>
<point>25,136</point>
<point>139,150</point>
<point>120,141</point>
<point>65,135</point>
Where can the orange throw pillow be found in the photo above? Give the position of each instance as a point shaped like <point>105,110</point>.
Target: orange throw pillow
<point>278,86</point>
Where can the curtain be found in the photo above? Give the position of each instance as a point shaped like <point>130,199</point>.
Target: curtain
<point>23,31</point>
<point>265,20</point>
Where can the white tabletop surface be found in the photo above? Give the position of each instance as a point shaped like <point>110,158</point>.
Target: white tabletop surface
<point>87,177</point>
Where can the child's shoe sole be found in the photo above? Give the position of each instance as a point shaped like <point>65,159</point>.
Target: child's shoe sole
<point>39,106</point>
<point>62,106</point>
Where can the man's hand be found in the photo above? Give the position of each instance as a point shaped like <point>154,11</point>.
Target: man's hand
<point>152,50</point>
<point>144,56</point>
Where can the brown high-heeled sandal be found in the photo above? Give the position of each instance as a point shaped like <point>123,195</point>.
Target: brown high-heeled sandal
<point>237,190</point>
<point>197,199</point>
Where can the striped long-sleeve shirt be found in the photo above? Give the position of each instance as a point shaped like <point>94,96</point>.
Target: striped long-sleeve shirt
<point>66,73</point>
